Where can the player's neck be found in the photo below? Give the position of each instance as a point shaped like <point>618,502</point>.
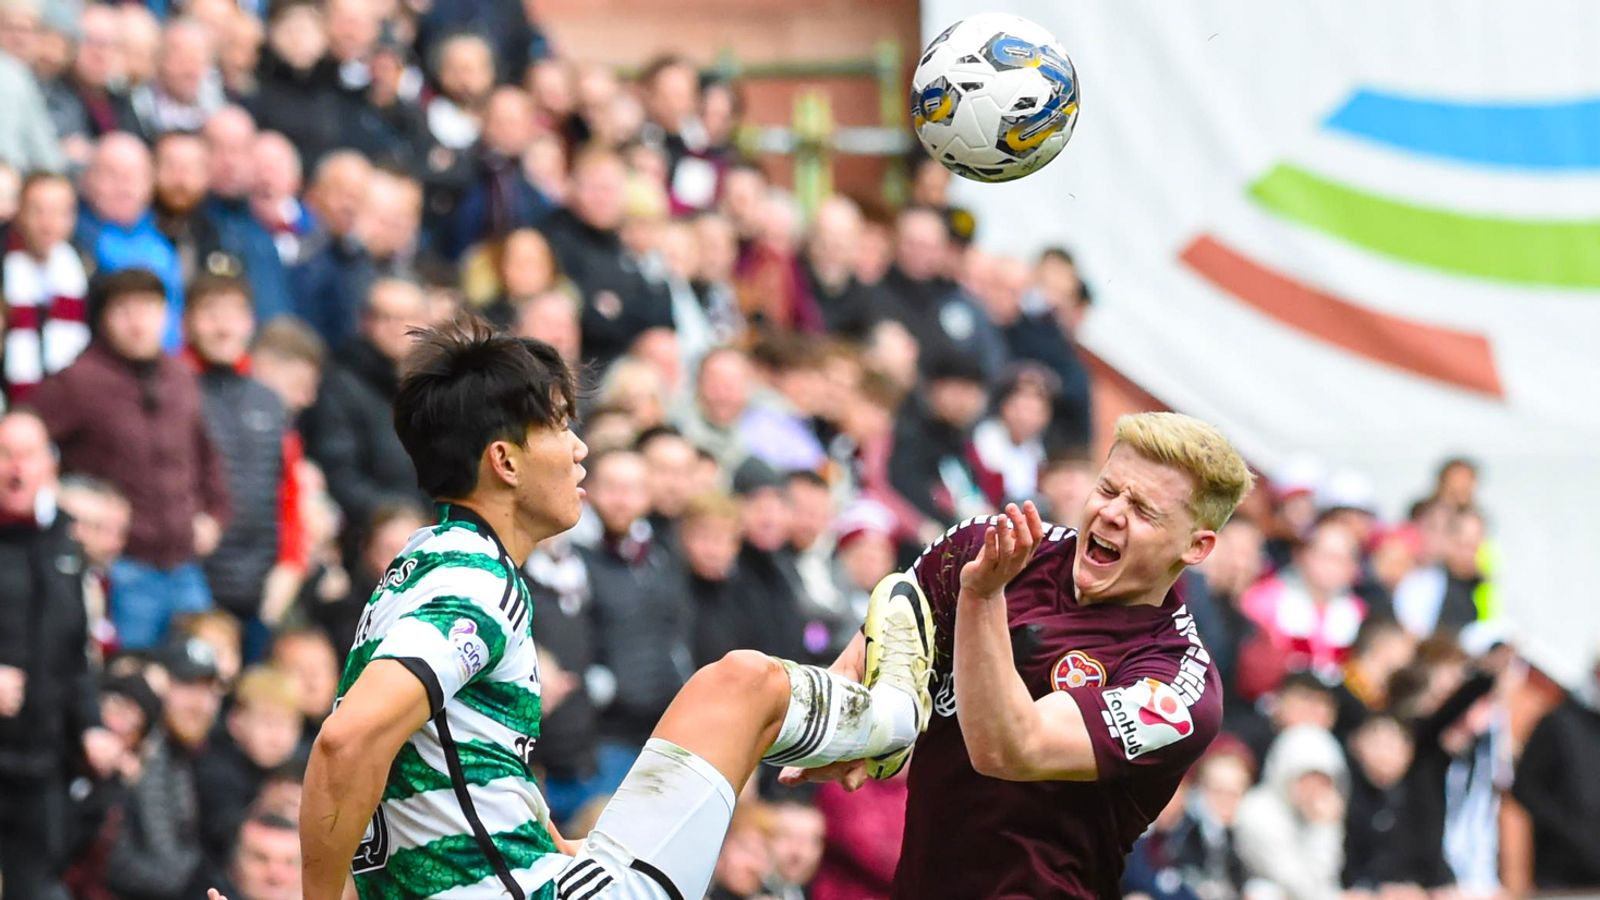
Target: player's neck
<point>517,539</point>
<point>1156,596</point>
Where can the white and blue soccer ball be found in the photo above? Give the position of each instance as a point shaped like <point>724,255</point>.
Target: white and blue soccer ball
<point>994,97</point>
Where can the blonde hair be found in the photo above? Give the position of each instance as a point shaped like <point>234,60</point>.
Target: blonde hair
<point>267,686</point>
<point>1221,478</point>
<point>714,505</point>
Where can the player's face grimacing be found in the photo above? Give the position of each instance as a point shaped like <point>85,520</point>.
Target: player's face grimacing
<point>548,494</point>
<point>1137,530</point>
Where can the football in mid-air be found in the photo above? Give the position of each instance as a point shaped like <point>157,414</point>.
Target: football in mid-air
<point>994,97</point>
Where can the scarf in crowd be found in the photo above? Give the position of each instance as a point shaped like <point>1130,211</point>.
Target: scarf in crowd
<point>46,322</point>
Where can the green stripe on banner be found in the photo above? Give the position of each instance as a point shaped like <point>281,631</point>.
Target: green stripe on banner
<point>1559,254</point>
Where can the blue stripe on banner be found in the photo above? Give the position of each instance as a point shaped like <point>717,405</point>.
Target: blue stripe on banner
<point>1521,135</point>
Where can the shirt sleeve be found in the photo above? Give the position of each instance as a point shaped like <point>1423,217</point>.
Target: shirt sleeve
<point>1156,715</point>
<point>938,572</point>
<point>457,632</point>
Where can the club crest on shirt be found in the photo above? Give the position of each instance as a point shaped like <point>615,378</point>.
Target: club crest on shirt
<point>472,653</point>
<point>1146,716</point>
<point>1077,669</point>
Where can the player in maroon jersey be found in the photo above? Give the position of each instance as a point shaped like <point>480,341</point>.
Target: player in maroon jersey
<point>1071,690</point>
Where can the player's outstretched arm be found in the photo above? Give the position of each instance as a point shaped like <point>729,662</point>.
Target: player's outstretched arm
<point>1007,734</point>
<point>349,764</point>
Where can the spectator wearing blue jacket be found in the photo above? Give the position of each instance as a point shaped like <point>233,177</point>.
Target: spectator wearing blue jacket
<point>499,199</point>
<point>231,136</point>
<point>117,228</point>
<point>334,270</point>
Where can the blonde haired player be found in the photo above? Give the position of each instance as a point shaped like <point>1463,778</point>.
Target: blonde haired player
<point>1072,691</point>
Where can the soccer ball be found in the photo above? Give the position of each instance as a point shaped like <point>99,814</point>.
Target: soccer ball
<point>994,97</point>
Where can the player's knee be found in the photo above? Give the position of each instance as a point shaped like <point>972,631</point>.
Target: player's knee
<point>744,671</point>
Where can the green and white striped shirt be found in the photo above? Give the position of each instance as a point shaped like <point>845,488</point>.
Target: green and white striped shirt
<point>461,816</point>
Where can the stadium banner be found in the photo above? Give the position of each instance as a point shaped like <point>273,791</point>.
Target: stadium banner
<point>1360,229</point>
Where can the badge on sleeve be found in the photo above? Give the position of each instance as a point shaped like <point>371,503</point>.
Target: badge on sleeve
<point>472,652</point>
<point>1146,716</point>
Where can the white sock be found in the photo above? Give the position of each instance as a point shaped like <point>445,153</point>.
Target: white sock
<point>899,710</point>
<point>832,718</point>
<point>671,814</point>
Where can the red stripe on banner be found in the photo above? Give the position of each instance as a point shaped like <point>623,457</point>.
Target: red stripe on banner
<point>22,318</point>
<point>1458,358</point>
<point>69,309</point>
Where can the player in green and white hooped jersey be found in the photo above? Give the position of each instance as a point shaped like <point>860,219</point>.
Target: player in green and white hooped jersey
<point>419,776</point>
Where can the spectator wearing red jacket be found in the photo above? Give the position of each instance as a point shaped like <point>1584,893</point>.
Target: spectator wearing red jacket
<point>865,830</point>
<point>1307,610</point>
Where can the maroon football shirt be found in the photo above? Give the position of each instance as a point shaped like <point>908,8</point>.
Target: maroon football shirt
<point>1150,697</point>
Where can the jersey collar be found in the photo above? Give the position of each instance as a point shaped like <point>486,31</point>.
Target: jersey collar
<point>455,512</point>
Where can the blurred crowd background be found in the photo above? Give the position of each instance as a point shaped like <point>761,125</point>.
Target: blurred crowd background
<point>222,217</point>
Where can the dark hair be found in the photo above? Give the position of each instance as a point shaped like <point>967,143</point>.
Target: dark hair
<point>1076,456</point>
<point>263,818</point>
<point>880,390</point>
<point>1304,682</point>
<point>1059,254</point>
<point>602,458</point>
<point>293,772</point>
<point>387,513</point>
<point>301,633</point>
<point>207,285</point>
<point>1027,375</point>
<point>806,476</point>
<point>653,433</point>
<point>1376,626</point>
<point>436,273</point>
<point>787,352</point>
<point>1457,462</point>
<point>1420,508</point>
<point>42,176</point>
<point>466,385</point>
<point>715,352</point>
<point>280,8</point>
<point>653,69</point>
<point>109,286</point>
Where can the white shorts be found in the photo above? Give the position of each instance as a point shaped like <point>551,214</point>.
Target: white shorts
<point>659,836</point>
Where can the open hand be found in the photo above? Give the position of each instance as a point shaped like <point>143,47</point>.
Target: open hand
<point>103,750</point>
<point>851,774</point>
<point>207,535</point>
<point>1008,544</point>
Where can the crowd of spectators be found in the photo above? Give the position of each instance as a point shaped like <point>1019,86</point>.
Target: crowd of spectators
<point>223,217</point>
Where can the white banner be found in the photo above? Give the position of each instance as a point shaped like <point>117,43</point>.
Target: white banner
<point>1357,228</point>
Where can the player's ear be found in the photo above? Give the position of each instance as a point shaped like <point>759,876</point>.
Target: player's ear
<point>1201,544</point>
<point>502,462</point>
